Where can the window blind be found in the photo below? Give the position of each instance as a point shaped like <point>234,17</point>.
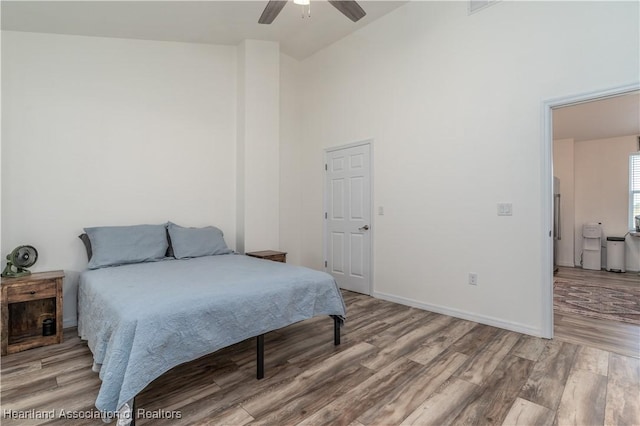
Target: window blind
<point>634,188</point>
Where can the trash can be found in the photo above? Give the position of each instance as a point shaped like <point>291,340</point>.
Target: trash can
<point>615,254</point>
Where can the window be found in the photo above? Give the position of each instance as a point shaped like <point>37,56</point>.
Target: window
<point>634,188</point>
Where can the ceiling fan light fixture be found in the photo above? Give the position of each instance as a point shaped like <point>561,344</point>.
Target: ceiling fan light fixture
<point>304,3</point>
<point>349,8</point>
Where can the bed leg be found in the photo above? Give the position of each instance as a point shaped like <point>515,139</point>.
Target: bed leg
<point>260,357</point>
<point>337,323</point>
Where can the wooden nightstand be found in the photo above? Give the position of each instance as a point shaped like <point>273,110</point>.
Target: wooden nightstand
<point>26,302</point>
<point>276,256</point>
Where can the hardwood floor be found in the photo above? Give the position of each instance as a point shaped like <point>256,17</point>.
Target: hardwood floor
<point>618,337</point>
<point>396,365</point>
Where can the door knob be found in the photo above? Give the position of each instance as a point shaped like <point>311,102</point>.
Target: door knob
<point>364,228</point>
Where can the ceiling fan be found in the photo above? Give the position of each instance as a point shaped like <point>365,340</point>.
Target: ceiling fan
<point>349,8</point>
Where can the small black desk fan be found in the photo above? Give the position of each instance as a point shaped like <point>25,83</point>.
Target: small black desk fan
<point>20,258</point>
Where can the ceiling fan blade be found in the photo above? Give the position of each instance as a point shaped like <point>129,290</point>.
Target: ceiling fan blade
<point>271,11</point>
<point>349,8</point>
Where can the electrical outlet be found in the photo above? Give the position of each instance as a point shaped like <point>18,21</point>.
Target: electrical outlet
<point>473,278</point>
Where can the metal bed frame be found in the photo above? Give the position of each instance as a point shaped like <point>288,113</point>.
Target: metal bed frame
<point>337,324</point>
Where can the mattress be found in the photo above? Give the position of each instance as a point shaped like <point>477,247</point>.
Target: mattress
<point>141,320</point>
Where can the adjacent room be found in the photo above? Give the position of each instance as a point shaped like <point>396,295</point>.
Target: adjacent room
<point>403,150</point>
<point>596,258</point>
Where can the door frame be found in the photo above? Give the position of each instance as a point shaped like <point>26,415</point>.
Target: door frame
<point>547,189</point>
<point>325,247</point>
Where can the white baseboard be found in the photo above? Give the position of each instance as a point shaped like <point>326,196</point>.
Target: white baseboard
<point>69,322</point>
<point>482,319</point>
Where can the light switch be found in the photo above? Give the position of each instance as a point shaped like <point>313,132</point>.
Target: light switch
<point>505,209</point>
<point>380,211</point>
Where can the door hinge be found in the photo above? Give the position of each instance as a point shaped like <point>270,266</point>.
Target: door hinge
<point>325,263</point>
<point>325,167</point>
<point>325,215</point>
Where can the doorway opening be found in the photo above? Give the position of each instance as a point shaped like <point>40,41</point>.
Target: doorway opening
<point>548,172</point>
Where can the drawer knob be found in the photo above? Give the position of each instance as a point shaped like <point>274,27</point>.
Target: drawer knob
<point>32,292</point>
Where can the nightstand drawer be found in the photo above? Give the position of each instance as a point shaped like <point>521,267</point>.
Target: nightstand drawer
<point>27,292</point>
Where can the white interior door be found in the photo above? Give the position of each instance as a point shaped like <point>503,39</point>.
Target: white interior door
<point>348,217</point>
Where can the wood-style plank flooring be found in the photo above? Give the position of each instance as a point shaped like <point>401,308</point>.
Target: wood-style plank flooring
<point>396,366</point>
<point>618,337</point>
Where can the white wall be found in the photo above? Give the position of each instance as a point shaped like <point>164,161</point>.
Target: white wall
<point>258,145</point>
<point>101,131</point>
<point>563,159</point>
<point>454,103</point>
<point>291,221</point>
<point>602,191</point>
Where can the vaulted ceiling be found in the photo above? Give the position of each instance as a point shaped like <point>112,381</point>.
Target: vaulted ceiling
<point>230,22</point>
<point>215,22</point>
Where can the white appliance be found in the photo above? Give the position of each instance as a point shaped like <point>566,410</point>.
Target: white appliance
<point>591,246</point>
<point>615,254</point>
<point>557,231</point>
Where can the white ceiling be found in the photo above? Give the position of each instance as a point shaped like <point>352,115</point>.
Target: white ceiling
<point>601,119</point>
<point>214,22</point>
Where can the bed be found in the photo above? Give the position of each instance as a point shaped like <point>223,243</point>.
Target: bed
<point>142,319</point>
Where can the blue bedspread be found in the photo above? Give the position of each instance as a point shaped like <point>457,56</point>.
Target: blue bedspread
<point>142,320</point>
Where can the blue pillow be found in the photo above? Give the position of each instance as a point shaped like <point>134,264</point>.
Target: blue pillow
<point>120,245</point>
<point>196,242</point>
